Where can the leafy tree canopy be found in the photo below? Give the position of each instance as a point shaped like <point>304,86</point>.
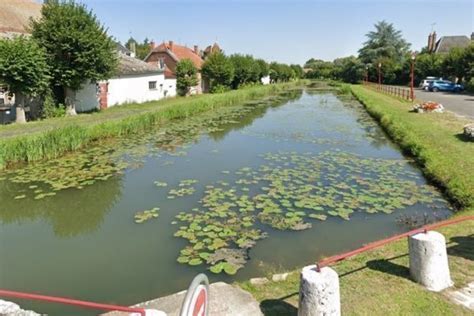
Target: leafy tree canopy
<point>219,71</point>
<point>384,43</point>
<point>186,76</point>
<point>77,46</point>
<point>23,66</point>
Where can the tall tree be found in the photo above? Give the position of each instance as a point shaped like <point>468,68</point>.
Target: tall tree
<point>246,70</point>
<point>349,69</point>
<point>24,69</point>
<point>384,43</point>
<point>219,71</point>
<point>77,46</point>
<point>186,76</point>
<point>263,67</point>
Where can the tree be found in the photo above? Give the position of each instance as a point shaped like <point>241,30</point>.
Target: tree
<point>384,43</point>
<point>186,76</point>
<point>427,64</point>
<point>298,71</point>
<point>77,47</point>
<point>246,70</point>
<point>263,68</point>
<point>459,63</point>
<point>24,69</point>
<point>320,69</point>
<point>219,71</point>
<point>349,69</point>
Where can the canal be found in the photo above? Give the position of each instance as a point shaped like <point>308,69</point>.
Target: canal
<point>264,186</point>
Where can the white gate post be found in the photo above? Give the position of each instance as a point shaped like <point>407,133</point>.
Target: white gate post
<point>429,260</point>
<point>319,292</point>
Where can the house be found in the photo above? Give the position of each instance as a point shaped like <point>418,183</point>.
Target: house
<point>15,16</point>
<point>446,43</point>
<point>136,81</point>
<point>167,55</point>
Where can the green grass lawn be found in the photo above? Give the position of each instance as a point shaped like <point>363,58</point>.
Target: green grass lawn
<point>378,282</point>
<point>435,140</point>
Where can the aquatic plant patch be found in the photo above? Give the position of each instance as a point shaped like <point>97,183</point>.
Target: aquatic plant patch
<point>290,190</point>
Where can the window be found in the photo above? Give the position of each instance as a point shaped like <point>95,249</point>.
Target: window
<point>152,85</point>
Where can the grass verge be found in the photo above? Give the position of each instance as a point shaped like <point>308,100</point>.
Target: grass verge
<point>378,282</point>
<point>53,137</point>
<point>435,141</point>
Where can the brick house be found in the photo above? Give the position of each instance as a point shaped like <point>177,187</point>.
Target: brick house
<point>167,55</point>
<point>446,43</point>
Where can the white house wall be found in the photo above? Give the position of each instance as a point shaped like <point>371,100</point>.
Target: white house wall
<point>135,89</point>
<point>170,87</point>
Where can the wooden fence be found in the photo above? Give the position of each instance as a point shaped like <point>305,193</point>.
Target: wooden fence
<point>397,91</point>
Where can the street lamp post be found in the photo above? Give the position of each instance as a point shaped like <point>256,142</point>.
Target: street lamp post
<point>380,75</point>
<point>412,75</point>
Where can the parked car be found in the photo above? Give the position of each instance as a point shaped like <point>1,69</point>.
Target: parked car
<point>425,83</point>
<point>445,85</point>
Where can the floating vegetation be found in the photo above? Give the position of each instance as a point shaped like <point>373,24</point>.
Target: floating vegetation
<point>290,190</point>
<point>143,216</point>
<point>160,184</point>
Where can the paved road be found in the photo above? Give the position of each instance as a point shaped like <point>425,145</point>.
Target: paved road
<point>459,103</point>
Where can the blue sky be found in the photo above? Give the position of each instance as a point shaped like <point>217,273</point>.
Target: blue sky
<point>286,31</point>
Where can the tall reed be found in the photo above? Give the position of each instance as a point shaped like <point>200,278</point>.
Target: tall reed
<point>56,142</point>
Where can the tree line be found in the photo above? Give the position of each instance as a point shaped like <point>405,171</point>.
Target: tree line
<point>386,46</point>
<point>222,73</point>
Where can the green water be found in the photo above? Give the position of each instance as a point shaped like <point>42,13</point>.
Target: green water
<point>277,184</point>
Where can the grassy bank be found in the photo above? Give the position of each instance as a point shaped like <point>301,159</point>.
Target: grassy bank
<point>53,137</point>
<point>434,140</point>
<point>378,282</point>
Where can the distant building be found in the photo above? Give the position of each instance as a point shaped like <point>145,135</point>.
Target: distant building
<point>446,43</point>
<point>135,82</point>
<point>214,48</point>
<point>167,55</point>
<point>15,16</point>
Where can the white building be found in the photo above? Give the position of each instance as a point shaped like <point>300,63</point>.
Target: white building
<point>265,80</point>
<point>136,82</point>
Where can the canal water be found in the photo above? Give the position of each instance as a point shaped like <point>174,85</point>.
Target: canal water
<point>264,186</point>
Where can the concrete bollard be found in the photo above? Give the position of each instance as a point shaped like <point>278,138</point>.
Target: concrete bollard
<point>319,292</point>
<point>429,260</point>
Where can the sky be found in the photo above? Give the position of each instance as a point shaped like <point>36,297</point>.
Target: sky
<point>290,31</point>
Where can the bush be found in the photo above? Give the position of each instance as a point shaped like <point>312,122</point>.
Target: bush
<point>470,85</point>
<point>50,108</point>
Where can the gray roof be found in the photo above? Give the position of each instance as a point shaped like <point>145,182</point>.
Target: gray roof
<point>133,66</point>
<point>446,43</point>
<point>122,49</point>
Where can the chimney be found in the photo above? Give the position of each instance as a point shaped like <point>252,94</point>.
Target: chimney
<point>171,45</point>
<point>433,41</point>
<point>430,41</point>
<point>472,36</point>
<point>196,49</point>
<point>152,44</point>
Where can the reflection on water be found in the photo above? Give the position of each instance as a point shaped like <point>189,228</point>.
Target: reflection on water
<point>306,161</point>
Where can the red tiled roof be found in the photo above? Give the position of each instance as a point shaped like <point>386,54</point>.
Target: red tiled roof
<point>180,52</point>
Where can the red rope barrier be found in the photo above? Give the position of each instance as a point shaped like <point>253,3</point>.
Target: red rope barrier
<point>330,260</point>
<point>69,301</point>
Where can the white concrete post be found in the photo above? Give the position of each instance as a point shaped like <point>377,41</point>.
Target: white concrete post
<point>319,292</point>
<point>429,260</point>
